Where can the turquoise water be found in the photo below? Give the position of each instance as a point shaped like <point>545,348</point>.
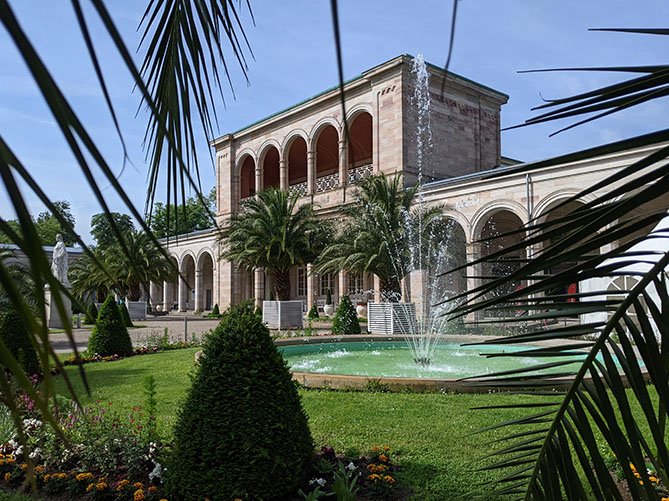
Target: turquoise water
<point>393,359</point>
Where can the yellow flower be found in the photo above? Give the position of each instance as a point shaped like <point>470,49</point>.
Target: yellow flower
<point>39,469</point>
<point>9,460</point>
<point>139,495</point>
<point>80,476</point>
<point>374,477</point>
<point>101,486</point>
<point>24,466</point>
<point>7,477</point>
<point>375,449</point>
<point>383,458</point>
<point>152,489</point>
<point>46,478</point>
<point>138,485</point>
<point>386,448</point>
<point>654,479</point>
<point>90,487</point>
<point>389,479</point>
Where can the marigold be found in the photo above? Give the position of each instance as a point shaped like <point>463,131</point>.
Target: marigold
<point>101,486</point>
<point>81,476</point>
<point>139,495</point>
<point>24,466</point>
<point>39,469</point>
<point>375,448</point>
<point>383,458</point>
<point>654,479</point>
<point>7,476</point>
<point>46,478</point>
<point>138,485</point>
<point>90,487</point>
<point>389,479</point>
<point>386,448</point>
<point>9,460</point>
<point>374,477</point>
<point>152,489</point>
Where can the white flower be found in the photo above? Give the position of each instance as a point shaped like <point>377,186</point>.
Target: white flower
<point>319,481</point>
<point>156,472</point>
<point>350,466</point>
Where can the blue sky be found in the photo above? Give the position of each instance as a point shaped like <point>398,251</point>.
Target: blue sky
<point>292,42</point>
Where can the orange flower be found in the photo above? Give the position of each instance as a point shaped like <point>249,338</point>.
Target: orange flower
<point>24,466</point>
<point>374,477</point>
<point>654,479</point>
<point>138,485</point>
<point>139,495</point>
<point>389,479</point>
<point>7,476</point>
<point>90,487</point>
<point>101,486</point>
<point>152,489</point>
<point>386,448</point>
<point>376,448</point>
<point>383,458</point>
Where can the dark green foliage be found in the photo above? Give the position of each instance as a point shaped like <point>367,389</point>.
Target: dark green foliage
<point>242,432</point>
<point>313,312</point>
<point>123,310</point>
<point>110,335</point>
<point>216,311</point>
<point>91,314</point>
<point>258,311</point>
<point>271,296</point>
<point>346,318</point>
<point>15,338</point>
<point>328,297</point>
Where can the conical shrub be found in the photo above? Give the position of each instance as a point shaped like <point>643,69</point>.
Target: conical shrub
<point>346,318</point>
<point>313,313</point>
<point>110,335</point>
<point>91,314</point>
<point>15,338</point>
<point>216,311</point>
<point>242,432</point>
<point>123,309</point>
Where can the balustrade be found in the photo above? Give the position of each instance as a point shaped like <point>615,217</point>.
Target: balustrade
<point>359,173</point>
<point>327,183</point>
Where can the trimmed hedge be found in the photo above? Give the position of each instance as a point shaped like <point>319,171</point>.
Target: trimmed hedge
<point>15,338</point>
<point>110,335</point>
<point>346,318</point>
<point>313,313</point>
<point>91,314</point>
<point>125,315</point>
<point>216,311</point>
<point>241,432</point>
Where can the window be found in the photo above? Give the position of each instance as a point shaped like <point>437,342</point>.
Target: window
<point>301,281</point>
<point>324,283</point>
<point>355,284</point>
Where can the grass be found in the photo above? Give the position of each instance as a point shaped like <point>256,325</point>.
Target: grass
<point>431,433</point>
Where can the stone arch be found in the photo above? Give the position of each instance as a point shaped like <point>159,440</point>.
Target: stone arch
<point>551,200</point>
<point>461,219</point>
<point>360,145</point>
<point>292,136</point>
<point>204,287</point>
<point>183,259</point>
<point>247,176</point>
<point>268,161</point>
<point>481,215</point>
<point>356,110</point>
<point>318,128</point>
<point>295,153</point>
<point>240,157</point>
<point>326,146</point>
<point>187,268</point>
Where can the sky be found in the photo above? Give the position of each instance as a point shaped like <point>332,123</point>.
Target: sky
<point>294,58</point>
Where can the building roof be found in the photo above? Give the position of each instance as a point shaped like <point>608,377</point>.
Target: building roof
<point>45,248</point>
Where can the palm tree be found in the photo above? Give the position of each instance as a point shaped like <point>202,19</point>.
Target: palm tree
<point>382,233</point>
<point>88,279</point>
<point>272,232</point>
<point>20,275</point>
<point>590,416</point>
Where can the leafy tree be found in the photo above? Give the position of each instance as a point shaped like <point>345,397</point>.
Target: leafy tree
<point>16,340</point>
<point>241,432</point>
<point>88,278</point>
<point>125,314</point>
<point>273,233</point>
<point>110,335</point>
<point>346,318</point>
<point>378,232</point>
<point>101,228</point>
<point>168,221</point>
<point>313,312</point>
<point>47,226</point>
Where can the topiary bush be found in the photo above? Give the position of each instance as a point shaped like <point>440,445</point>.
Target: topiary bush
<point>125,315</point>
<point>91,314</point>
<point>15,338</point>
<point>216,312</point>
<point>313,313</point>
<point>328,296</point>
<point>346,318</point>
<point>241,432</point>
<point>110,335</point>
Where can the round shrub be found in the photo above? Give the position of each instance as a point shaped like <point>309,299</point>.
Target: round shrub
<point>241,432</point>
<point>346,318</point>
<point>15,338</point>
<point>215,312</point>
<point>110,335</point>
<point>313,312</point>
<point>91,314</point>
<point>125,315</point>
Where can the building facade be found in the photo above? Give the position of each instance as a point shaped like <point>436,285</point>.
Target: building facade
<point>321,152</point>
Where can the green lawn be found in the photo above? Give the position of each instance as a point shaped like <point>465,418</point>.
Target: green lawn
<point>430,432</point>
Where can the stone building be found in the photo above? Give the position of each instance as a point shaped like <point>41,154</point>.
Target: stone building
<point>305,149</point>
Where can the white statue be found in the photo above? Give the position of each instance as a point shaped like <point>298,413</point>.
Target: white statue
<point>59,264</point>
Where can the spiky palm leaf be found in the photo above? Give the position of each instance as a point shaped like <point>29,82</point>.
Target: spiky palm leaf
<point>593,406</point>
<point>378,232</point>
<point>272,232</point>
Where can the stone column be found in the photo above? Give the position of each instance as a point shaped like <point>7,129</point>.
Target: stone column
<point>199,303</point>
<point>183,294</point>
<point>153,295</point>
<point>258,173</point>
<point>310,287</point>
<point>311,172</point>
<point>167,297</point>
<point>341,286</point>
<point>377,289</point>
<point>343,174</point>
<point>473,253</point>
<point>259,286</point>
<point>283,174</point>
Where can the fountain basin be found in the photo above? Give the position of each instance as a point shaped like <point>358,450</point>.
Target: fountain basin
<point>351,362</point>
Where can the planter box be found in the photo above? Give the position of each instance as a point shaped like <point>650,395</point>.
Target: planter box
<point>391,318</point>
<point>282,314</point>
<point>137,310</point>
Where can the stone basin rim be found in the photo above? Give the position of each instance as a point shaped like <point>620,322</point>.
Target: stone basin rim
<point>454,385</point>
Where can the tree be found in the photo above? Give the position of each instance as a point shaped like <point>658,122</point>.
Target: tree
<point>272,232</point>
<point>378,233</point>
<point>241,432</point>
<point>101,228</point>
<point>88,278</point>
<point>21,279</point>
<point>556,452</point>
<point>193,216</point>
<point>346,318</point>
<point>48,225</point>
<point>110,335</point>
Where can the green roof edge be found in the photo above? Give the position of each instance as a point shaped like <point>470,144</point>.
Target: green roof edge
<point>357,77</point>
